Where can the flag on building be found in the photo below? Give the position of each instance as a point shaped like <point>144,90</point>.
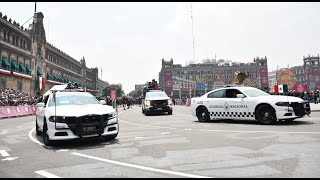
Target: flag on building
<point>41,83</point>
<point>282,88</point>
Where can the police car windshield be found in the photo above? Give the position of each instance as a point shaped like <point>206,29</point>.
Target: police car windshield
<point>156,94</point>
<point>255,93</point>
<point>73,100</point>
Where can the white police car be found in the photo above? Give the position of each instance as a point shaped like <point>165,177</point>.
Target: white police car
<point>72,114</point>
<point>248,103</point>
<point>156,101</point>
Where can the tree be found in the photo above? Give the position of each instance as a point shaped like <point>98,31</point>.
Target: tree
<point>135,94</point>
<point>118,87</point>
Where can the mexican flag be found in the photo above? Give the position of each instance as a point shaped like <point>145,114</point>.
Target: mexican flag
<point>42,83</point>
<point>281,88</point>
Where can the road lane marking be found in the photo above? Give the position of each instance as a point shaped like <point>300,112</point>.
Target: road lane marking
<point>33,139</point>
<point>19,126</point>
<point>280,132</point>
<point>4,153</point>
<point>138,137</point>
<point>63,150</point>
<point>140,167</point>
<point>46,174</point>
<point>9,159</point>
<point>3,132</point>
<point>145,125</point>
<point>187,129</point>
<point>165,133</point>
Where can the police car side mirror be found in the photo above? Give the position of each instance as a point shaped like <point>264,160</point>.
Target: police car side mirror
<point>103,102</point>
<point>240,96</point>
<point>41,104</point>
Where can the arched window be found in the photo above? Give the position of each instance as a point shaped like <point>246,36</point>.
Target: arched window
<point>24,44</point>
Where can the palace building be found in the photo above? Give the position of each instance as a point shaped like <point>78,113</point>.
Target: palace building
<point>27,59</point>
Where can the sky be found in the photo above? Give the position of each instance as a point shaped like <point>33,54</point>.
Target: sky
<point>128,40</point>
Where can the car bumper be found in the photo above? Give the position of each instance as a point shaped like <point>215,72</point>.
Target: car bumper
<point>296,110</point>
<point>159,109</point>
<point>69,134</point>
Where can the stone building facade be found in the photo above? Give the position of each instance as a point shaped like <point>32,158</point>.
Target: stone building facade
<point>213,74</point>
<point>25,55</point>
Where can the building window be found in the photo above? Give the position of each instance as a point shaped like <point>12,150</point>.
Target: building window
<point>20,41</point>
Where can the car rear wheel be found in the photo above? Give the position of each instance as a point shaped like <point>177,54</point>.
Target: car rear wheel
<point>203,114</point>
<point>265,114</point>
<point>170,112</point>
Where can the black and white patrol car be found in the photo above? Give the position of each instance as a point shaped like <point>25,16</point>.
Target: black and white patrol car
<point>248,103</point>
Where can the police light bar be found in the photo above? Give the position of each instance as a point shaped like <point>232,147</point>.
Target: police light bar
<point>154,90</point>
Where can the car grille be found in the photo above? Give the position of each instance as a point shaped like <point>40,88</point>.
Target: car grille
<point>300,108</point>
<point>87,125</point>
<point>160,103</point>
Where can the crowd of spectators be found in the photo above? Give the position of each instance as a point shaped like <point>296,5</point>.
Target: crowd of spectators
<point>11,97</point>
<point>311,96</point>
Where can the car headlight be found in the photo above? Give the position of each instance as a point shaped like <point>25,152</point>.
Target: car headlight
<point>148,103</point>
<point>282,103</point>
<point>58,119</point>
<point>112,119</point>
<point>170,102</point>
<point>109,116</point>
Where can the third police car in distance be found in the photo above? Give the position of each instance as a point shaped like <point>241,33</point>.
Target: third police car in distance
<point>248,103</point>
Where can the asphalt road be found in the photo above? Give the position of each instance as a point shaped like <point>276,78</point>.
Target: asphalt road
<point>167,146</point>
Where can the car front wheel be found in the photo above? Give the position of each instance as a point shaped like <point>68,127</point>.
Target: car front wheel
<point>265,114</point>
<point>45,136</point>
<point>203,114</point>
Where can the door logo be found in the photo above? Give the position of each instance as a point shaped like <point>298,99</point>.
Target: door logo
<point>226,106</point>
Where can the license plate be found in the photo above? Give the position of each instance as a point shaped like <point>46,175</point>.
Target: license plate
<point>159,108</point>
<point>89,128</point>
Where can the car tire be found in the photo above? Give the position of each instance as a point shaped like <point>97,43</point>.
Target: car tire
<point>265,114</point>
<point>170,112</point>
<point>147,113</point>
<point>203,114</point>
<point>45,136</point>
<point>143,111</point>
<point>37,129</point>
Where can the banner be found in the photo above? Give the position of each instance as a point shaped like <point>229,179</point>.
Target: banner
<point>113,94</point>
<point>41,83</point>
<point>200,86</point>
<point>300,88</point>
<point>263,71</point>
<point>14,111</point>
<point>168,81</point>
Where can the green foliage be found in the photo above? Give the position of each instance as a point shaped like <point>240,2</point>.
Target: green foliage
<point>135,94</point>
<point>118,87</point>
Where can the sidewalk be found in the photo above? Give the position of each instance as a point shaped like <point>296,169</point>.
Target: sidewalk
<point>315,107</point>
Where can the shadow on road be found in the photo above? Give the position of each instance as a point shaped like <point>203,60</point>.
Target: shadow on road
<point>80,144</point>
<point>253,122</point>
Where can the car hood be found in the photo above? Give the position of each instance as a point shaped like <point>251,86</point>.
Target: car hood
<point>281,98</point>
<point>157,98</point>
<point>80,110</point>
